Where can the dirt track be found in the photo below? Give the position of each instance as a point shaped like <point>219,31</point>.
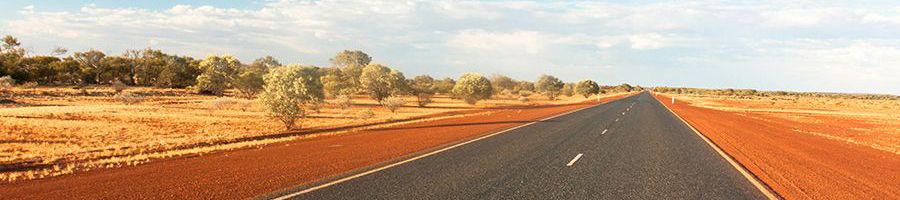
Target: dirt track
<point>248,173</point>
<point>797,166</point>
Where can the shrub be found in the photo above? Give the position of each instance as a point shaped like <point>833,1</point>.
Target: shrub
<point>524,85</point>
<point>381,82</point>
<point>344,101</point>
<point>444,86</point>
<point>507,92</point>
<point>587,88</point>
<point>568,89</point>
<point>218,73</point>
<point>393,103</point>
<point>549,86</point>
<point>250,82</point>
<point>335,82</point>
<point>119,86</point>
<point>316,107</point>
<point>523,99</point>
<point>211,83</point>
<point>422,87</point>
<point>223,103</point>
<point>365,114</point>
<point>472,87</point>
<point>7,82</point>
<point>287,89</point>
<point>525,93</point>
<point>128,98</point>
<point>28,85</point>
<point>423,99</point>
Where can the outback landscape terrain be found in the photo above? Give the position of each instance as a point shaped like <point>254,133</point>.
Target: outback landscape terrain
<point>805,147</point>
<point>416,99</point>
<point>53,131</point>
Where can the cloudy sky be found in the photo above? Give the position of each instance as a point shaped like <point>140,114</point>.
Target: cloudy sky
<point>770,45</point>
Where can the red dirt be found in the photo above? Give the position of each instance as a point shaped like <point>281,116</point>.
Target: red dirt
<point>248,173</point>
<point>797,165</point>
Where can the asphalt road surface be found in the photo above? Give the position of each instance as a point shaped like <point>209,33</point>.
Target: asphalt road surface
<point>632,148</point>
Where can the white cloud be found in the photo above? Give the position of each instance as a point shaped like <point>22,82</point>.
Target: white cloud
<point>839,38</point>
<point>530,42</point>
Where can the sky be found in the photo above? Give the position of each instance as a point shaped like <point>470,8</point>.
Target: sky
<point>821,46</point>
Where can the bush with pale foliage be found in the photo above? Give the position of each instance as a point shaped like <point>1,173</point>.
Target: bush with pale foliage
<point>119,86</point>
<point>287,89</point>
<point>7,82</point>
<point>365,114</point>
<point>344,101</point>
<point>128,98</point>
<point>472,87</point>
<point>393,103</point>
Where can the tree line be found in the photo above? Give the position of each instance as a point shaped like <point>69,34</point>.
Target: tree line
<point>285,91</point>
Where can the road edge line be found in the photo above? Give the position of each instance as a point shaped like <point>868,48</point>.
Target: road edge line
<point>361,174</point>
<point>762,187</point>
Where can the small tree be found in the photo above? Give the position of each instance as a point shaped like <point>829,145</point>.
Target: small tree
<point>250,81</point>
<point>287,89</point>
<point>587,88</point>
<point>549,86</point>
<point>218,73</point>
<point>444,86</point>
<point>378,81</point>
<point>501,83</point>
<point>524,86</point>
<point>472,87</point>
<point>335,82</point>
<point>568,89</point>
<point>422,87</point>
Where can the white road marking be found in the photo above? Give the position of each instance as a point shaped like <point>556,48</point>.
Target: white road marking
<point>604,131</point>
<point>294,194</point>
<point>574,160</point>
<point>617,119</point>
<point>623,113</point>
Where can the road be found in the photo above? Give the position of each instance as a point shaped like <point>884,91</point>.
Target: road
<point>632,148</point>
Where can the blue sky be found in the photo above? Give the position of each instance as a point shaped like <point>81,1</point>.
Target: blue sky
<point>771,45</point>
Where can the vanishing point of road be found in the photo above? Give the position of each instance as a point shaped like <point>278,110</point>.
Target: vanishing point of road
<point>632,148</point>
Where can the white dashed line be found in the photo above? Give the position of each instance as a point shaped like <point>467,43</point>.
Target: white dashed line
<point>604,131</point>
<point>574,160</point>
<point>617,119</point>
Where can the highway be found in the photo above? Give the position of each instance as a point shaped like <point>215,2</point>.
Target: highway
<point>632,148</point>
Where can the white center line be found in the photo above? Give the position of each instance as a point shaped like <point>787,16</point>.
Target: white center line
<point>604,131</point>
<point>617,119</point>
<point>573,160</point>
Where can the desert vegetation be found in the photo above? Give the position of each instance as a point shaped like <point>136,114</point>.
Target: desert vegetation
<point>60,114</point>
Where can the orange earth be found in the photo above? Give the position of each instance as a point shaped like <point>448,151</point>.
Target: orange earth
<point>248,173</point>
<point>794,164</point>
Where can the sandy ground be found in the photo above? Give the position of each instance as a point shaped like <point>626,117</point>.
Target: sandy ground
<point>834,149</point>
<point>54,131</point>
<point>247,173</point>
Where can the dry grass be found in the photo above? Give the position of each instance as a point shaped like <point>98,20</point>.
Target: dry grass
<point>871,123</point>
<point>52,131</point>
